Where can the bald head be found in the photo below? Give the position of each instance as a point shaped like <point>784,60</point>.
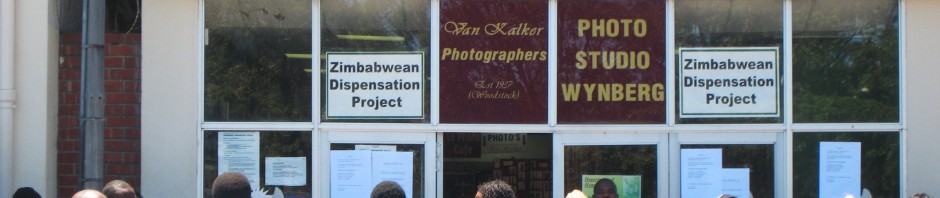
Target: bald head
<point>88,194</point>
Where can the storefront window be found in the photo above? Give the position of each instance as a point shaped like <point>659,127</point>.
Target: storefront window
<point>375,61</point>
<point>729,66</point>
<point>524,161</point>
<point>869,161</point>
<point>272,160</point>
<point>353,164</point>
<point>845,61</point>
<point>254,67</point>
<point>751,165</point>
<point>632,169</point>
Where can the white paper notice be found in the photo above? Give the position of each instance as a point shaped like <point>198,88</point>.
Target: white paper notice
<point>393,166</point>
<point>240,152</point>
<point>285,171</point>
<point>700,171</point>
<point>350,173</point>
<point>840,169</point>
<point>736,181</point>
<point>376,147</point>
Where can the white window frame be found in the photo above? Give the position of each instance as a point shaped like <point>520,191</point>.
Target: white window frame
<point>667,136</point>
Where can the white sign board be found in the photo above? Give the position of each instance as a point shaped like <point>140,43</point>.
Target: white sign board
<point>375,85</point>
<point>700,172</point>
<point>241,152</point>
<point>840,169</point>
<point>285,171</point>
<point>729,82</point>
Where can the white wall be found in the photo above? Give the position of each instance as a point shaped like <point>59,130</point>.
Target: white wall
<point>923,96</point>
<point>36,68</point>
<point>168,98</point>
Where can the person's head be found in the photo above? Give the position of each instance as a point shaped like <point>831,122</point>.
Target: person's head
<point>576,194</point>
<point>921,195</point>
<point>26,192</point>
<point>495,189</point>
<point>89,193</point>
<point>118,189</point>
<point>388,189</point>
<point>231,185</point>
<point>605,188</point>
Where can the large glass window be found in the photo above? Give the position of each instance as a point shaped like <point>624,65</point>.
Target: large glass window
<point>879,162</point>
<point>286,154</point>
<point>522,160</point>
<point>632,167</point>
<point>729,32</point>
<point>845,56</point>
<point>357,36</point>
<point>252,71</point>
<point>383,172</point>
<point>756,160</point>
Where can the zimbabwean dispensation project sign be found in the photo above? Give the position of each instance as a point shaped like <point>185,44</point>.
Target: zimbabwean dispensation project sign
<point>494,61</point>
<point>375,85</point>
<point>729,82</point>
<point>611,62</point>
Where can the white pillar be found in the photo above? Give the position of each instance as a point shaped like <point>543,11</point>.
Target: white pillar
<point>7,96</point>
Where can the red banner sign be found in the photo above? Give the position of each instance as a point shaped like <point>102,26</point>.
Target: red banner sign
<point>494,61</point>
<point>611,61</point>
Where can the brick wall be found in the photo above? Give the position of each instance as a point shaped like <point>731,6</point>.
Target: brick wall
<point>122,110</point>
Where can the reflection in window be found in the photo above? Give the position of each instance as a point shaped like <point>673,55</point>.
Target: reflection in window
<point>257,65</point>
<point>611,160</point>
<point>730,23</point>
<point>880,161</point>
<point>845,61</point>
<point>418,161</point>
<point>376,26</point>
<point>759,158</point>
<point>273,144</point>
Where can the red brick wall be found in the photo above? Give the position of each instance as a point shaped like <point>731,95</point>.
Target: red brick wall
<point>121,111</point>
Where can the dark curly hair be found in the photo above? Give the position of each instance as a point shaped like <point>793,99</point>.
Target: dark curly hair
<point>388,189</point>
<point>496,189</point>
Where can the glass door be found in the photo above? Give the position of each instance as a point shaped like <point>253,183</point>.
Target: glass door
<point>356,161</point>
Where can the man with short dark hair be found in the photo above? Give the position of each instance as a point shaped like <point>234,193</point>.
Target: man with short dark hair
<point>605,188</point>
<point>495,189</point>
<point>26,192</point>
<point>388,189</point>
<point>231,185</point>
<point>118,189</point>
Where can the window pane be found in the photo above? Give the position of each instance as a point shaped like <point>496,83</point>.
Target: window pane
<point>522,160</point>
<point>250,74</point>
<point>418,161</point>
<point>880,158</point>
<point>845,61</point>
<point>758,158</point>
<point>730,23</point>
<point>611,161</point>
<point>376,26</point>
<point>272,144</point>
